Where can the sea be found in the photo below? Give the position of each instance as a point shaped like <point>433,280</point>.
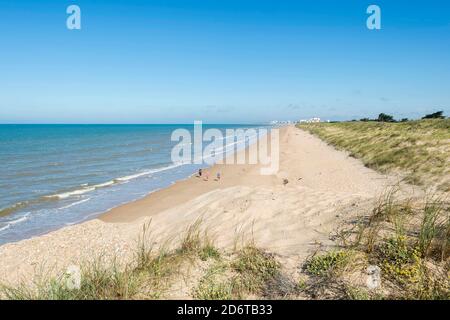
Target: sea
<point>52,176</point>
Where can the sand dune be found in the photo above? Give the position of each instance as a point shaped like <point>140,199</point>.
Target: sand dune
<point>325,188</point>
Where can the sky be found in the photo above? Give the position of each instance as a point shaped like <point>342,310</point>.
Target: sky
<point>222,61</point>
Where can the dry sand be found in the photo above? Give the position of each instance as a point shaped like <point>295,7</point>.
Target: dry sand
<point>325,188</point>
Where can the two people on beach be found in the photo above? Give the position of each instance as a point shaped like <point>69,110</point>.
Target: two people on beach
<point>206,175</point>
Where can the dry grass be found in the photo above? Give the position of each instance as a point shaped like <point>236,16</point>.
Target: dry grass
<point>151,274</point>
<point>410,246</point>
<point>148,276</point>
<point>248,272</point>
<point>418,149</point>
<point>99,281</point>
<point>407,240</point>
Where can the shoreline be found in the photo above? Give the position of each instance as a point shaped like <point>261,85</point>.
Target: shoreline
<point>101,207</point>
<point>190,187</point>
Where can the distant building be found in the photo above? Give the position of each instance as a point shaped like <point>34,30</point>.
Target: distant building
<point>282,122</point>
<point>312,120</point>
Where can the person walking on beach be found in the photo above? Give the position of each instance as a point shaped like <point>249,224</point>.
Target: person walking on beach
<point>200,173</point>
<point>218,176</point>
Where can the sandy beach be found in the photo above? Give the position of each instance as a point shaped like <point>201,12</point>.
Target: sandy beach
<point>324,188</point>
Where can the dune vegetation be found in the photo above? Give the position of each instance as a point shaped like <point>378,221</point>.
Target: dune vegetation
<point>194,269</point>
<point>418,150</point>
<point>408,242</point>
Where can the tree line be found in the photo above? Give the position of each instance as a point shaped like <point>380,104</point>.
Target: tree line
<point>383,117</point>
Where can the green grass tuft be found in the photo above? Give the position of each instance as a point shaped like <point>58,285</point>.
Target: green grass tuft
<point>254,267</point>
<point>327,264</point>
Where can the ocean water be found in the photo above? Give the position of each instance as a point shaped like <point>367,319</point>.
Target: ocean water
<point>56,175</point>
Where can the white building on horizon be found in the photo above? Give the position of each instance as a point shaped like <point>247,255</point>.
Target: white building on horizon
<point>312,120</point>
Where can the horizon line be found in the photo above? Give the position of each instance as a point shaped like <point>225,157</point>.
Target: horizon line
<point>134,124</point>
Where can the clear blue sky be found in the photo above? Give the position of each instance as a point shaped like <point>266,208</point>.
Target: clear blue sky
<point>221,61</point>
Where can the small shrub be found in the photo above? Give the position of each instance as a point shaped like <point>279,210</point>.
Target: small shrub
<point>399,260</point>
<point>209,252</point>
<point>355,293</point>
<point>328,263</point>
<point>213,290</point>
<point>254,267</point>
<point>215,284</point>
